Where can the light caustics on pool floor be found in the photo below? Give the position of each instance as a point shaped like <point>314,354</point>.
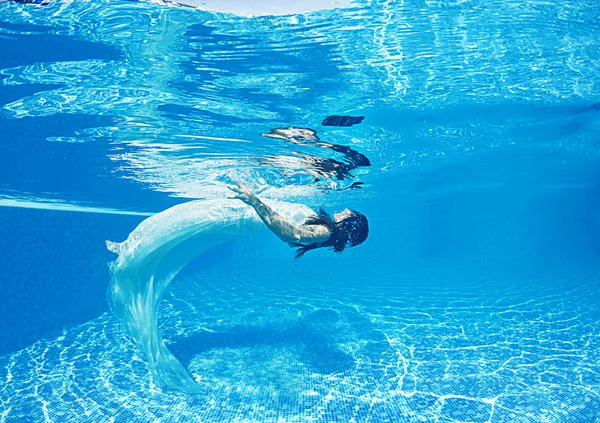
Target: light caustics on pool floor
<point>437,345</point>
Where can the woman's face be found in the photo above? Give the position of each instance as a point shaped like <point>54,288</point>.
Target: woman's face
<point>338,217</point>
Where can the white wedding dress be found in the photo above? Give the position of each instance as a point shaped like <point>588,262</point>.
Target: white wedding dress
<point>157,250</point>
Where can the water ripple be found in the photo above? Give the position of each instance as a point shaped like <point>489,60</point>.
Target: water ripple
<point>189,72</point>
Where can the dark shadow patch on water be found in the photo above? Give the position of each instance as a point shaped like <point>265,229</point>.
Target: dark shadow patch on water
<point>54,262</point>
<point>36,48</point>
<point>315,339</point>
<point>24,28</point>
<point>10,93</point>
<point>24,146</point>
<point>54,267</point>
<point>595,107</point>
<point>336,120</point>
<point>312,338</point>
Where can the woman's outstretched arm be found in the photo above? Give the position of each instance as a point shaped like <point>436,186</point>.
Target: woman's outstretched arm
<point>308,234</point>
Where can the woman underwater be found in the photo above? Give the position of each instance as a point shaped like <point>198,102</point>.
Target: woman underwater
<point>347,228</point>
<point>154,253</point>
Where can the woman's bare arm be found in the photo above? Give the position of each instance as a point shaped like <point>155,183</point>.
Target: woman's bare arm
<point>287,232</point>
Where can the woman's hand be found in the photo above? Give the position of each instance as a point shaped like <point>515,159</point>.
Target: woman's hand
<point>244,193</point>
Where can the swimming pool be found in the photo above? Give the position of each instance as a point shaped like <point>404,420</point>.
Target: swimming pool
<point>475,297</point>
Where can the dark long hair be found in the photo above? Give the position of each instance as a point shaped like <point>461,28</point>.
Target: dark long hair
<point>351,231</point>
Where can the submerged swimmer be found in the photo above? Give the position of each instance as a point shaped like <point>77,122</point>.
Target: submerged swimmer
<point>163,244</point>
<point>346,228</point>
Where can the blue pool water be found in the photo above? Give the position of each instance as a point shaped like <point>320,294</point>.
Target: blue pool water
<point>474,299</point>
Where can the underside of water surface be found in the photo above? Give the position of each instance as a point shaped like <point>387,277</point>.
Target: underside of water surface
<point>466,131</point>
